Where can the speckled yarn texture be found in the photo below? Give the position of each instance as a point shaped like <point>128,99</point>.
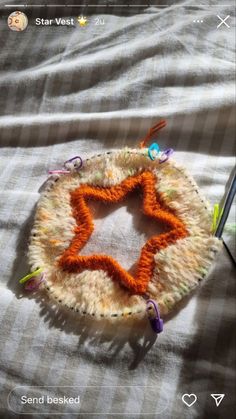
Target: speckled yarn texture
<point>170,265</point>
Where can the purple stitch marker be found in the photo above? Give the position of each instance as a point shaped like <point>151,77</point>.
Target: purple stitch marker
<point>34,282</point>
<point>166,153</point>
<point>71,160</point>
<point>156,322</point>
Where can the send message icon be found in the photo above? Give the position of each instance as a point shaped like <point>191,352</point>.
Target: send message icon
<point>218,398</point>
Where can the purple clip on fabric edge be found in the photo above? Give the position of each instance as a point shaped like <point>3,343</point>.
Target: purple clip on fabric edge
<point>60,172</point>
<point>156,322</point>
<point>72,159</point>
<point>34,282</point>
<point>167,153</point>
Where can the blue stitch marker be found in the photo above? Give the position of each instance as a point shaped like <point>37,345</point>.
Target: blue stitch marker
<point>152,147</point>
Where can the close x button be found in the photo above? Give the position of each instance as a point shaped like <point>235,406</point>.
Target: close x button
<point>223,21</point>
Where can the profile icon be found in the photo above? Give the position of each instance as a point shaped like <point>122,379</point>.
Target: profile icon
<point>17,21</point>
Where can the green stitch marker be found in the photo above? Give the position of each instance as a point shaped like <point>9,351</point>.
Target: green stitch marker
<point>217,214</point>
<point>27,277</point>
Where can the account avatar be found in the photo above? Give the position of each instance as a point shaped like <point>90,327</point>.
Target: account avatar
<point>17,21</point>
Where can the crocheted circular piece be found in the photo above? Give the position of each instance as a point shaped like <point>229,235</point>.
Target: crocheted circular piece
<point>170,265</point>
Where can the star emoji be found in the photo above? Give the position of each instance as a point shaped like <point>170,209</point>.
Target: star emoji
<point>153,207</point>
<point>82,20</point>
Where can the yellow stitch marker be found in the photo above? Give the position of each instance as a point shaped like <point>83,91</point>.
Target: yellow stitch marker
<point>27,277</point>
<point>217,213</point>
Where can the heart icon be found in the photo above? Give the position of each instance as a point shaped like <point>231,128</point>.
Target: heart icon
<point>189,399</point>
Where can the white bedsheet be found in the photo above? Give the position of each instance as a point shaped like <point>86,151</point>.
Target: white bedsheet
<point>84,91</point>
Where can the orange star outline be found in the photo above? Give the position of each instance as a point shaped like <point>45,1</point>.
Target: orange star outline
<point>153,207</point>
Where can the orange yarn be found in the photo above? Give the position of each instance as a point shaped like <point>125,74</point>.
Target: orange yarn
<point>152,206</point>
<point>151,132</point>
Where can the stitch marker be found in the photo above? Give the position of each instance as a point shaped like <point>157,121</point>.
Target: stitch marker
<point>217,213</point>
<point>59,172</point>
<point>154,316</point>
<point>34,282</point>
<point>166,154</point>
<point>74,162</point>
<point>67,166</point>
<point>153,147</point>
<point>31,275</point>
<point>226,207</point>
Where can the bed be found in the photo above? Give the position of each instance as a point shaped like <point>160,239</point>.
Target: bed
<point>86,90</point>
